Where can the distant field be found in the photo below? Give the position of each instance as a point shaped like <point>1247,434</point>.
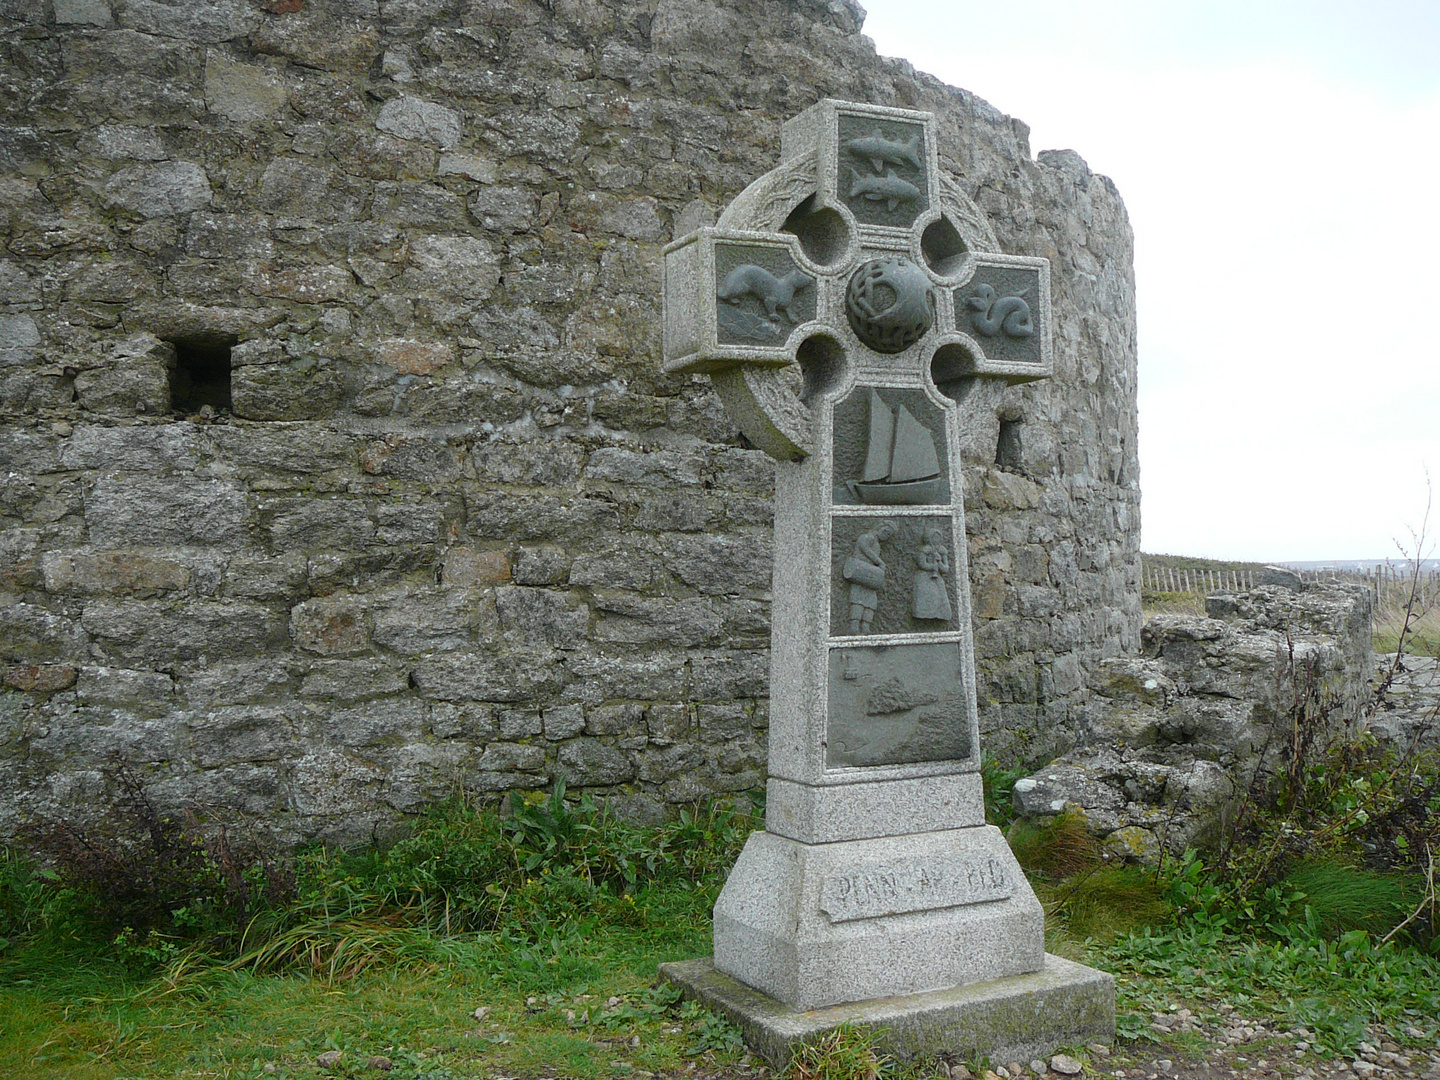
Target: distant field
<point>1193,562</point>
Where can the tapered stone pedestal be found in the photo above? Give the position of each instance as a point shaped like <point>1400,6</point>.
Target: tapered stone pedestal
<point>820,924</point>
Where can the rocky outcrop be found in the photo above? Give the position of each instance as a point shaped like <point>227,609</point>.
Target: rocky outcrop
<point>1173,736</point>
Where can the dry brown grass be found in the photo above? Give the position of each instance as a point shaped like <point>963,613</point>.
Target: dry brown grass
<point>1423,638</point>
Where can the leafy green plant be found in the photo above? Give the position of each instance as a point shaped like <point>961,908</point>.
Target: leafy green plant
<point>647,1004</point>
<point>999,785</point>
<point>1333,987</point>
<point>140,872</point>
<point>710,1032</point>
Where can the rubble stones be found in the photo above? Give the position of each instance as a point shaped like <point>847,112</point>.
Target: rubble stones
<point>1172,736</point>
<point>1411,706</point>
<point>167,187</point>
<point>413,118</point>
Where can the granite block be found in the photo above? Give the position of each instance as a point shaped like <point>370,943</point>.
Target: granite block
<point>819,924</point>
<point>826,813</point>
<point>1016,1018</point>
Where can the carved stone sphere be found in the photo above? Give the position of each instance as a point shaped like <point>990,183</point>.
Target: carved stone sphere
<point>890,304</point>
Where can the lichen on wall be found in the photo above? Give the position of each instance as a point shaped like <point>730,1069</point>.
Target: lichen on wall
<point>451,529</point>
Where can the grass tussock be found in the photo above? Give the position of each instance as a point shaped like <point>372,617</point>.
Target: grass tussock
<point>845,1052</point>
<point>1337,899</point>
<point>1055,848</point>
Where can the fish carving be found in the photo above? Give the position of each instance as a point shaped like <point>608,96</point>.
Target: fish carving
<point>891,190</point>
<point>880,150</point>
<point>993,314</point>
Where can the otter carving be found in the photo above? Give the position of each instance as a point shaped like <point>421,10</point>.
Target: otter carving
<point>773,292</point>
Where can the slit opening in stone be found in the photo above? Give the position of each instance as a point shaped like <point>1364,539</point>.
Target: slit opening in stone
<point>202,374</point>
<point>942,247</point>
<point>823,235</point>
<point>822,367</point>
<point>1009,450</point>
<point>952,370</point>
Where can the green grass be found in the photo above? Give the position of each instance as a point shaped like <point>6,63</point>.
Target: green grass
<point>551,922</point>
<point>1334,987</point>
<point>842,1053</point>
<point>547,1013</point>
<point>553,919</point>
<point>1342,898</point>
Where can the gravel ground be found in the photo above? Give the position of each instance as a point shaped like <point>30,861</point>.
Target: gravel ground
<point>1188,1048</point>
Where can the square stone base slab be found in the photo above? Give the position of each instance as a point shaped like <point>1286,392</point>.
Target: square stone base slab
<point>1017,1018</point>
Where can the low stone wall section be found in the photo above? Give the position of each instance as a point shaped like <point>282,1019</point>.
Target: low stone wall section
<point>1174,737</point>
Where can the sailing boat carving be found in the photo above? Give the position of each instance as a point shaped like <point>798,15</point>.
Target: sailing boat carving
<point>901,467</point>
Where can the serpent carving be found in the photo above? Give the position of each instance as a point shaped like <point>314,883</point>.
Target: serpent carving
<point>994,314</point>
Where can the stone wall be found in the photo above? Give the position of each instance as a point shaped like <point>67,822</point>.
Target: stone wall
<point>1173,738</point>
<point>453,530</point>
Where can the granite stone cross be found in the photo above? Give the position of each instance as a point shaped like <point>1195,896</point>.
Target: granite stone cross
<point>843,306</point>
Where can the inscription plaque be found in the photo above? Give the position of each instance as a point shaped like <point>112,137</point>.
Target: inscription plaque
<point>906,885</point>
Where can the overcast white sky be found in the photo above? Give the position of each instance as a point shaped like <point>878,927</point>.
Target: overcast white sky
<point>1281,165</point>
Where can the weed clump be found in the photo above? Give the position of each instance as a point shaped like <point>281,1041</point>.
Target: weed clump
<point>845,1052</point>
<point>142,875</point>
<point>165,892</point>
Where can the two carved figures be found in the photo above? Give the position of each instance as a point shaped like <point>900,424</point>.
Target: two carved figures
<point>865,570</point>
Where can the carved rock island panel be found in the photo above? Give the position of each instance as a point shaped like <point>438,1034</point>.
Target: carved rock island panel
<point>845,306</point>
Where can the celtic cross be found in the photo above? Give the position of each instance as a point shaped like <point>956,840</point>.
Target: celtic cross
<point>843,306</point>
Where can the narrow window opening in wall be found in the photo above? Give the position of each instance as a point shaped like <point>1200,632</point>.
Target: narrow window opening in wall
<point>1008,447</point>
<point>202,375</point>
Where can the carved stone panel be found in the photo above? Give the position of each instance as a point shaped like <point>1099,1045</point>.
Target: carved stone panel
<point>892,575</point>
<point>890,304</point>
<point>760,294</point>
<point>881,175</point>
<point>897,705</point>
<point>920,884</point>
<point>1000,307</point>
<point>882,457</point>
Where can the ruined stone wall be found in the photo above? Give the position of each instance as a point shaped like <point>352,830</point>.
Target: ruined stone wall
<point>454,530</point>
<point>1174,738</point>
